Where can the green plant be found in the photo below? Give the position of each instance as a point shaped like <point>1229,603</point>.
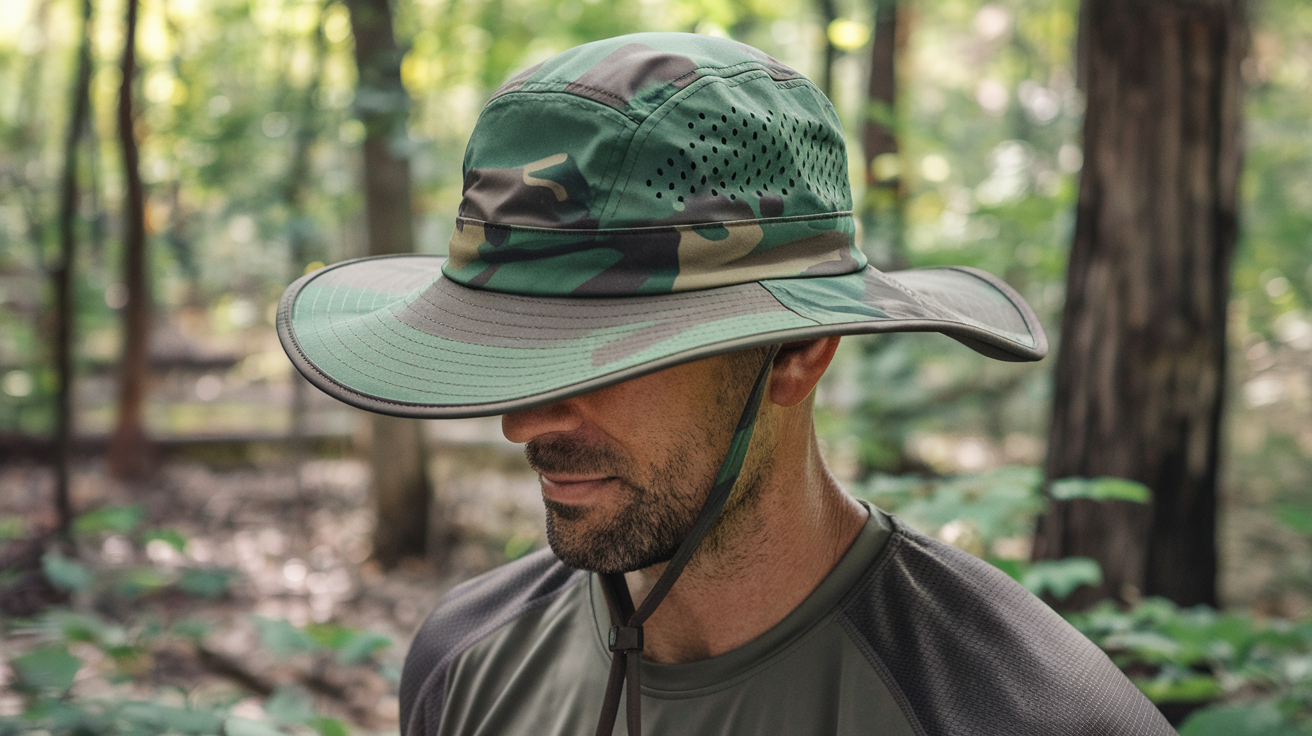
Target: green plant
<point>77,672</point>
<point>1253,678</point>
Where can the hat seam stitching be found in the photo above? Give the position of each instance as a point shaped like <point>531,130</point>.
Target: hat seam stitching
<point>671,296</point>
<point>709,312</point>
<point>708,72</point>
<point>839,214</point>
<point>565,369</point>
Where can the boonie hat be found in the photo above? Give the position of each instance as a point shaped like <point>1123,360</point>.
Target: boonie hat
<point>629,204</point>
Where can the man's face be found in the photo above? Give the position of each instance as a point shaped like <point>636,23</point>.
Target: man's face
<point>625,469</point>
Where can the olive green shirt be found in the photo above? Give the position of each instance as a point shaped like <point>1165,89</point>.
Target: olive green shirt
<point>905,637</point>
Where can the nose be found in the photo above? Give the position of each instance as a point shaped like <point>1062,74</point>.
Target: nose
<point>522,426</point>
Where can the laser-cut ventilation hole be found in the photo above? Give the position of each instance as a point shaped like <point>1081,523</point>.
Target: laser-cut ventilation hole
<point>762,150</point>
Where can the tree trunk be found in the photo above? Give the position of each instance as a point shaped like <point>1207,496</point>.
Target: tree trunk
<point>828,14</point>
<point>882,208</point>
<point>62,274</point>
<point>1141,367</point>
<point>301,231</point>
<point>400,480</point>
<point>129,451</point>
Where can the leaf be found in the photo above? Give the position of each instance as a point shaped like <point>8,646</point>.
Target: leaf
<point>1194,689</point>
<point>238,726</point>
<point>210,582</point>
<point>79,626</point>
<point>193,629</point>
<point>518,546</point>
<point>48,668</point>
<point>1015,569</point>
<point>64,573</point>
<point>282,638</point>
<point>1298,518</point>
<point>330,636</point>
<point>328,726</point>
<point>289,706</point>
<point>1100,489</point>
<point>117,519</point>
<point>361,646</point>
<point>140,580</point>
<point>1257,719</point>
<point>172,537</point>
<point>153,717</point>
<point>1060,578</point>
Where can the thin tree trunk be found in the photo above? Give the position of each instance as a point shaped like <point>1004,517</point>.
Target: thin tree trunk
<point>1141,368</point>
<point>301,230</point>
<point>882,208</point>
<point>129,451</point>
<point>829,14</point>
<point>62,274</point>
<point>400,479</point>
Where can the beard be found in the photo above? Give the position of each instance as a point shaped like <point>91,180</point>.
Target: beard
<point>653,516</point>
<point>658,504</point>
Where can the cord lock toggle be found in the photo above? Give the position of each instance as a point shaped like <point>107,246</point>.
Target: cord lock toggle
<point>626,638</point>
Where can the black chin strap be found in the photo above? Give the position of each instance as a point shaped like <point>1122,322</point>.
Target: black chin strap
<point>626,638</point>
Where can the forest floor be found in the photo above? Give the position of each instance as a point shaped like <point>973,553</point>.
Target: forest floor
<point>290,546</point>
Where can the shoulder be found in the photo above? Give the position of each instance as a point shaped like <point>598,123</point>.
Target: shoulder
<point>967,650</point>
<point>467,614</point>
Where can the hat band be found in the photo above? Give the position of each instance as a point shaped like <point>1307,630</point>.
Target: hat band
<point>652,260</point>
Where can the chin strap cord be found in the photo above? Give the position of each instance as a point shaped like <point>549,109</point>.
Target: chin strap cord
<point>626,622</point>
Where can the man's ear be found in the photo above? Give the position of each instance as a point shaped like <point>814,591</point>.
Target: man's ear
<point>798,367</point>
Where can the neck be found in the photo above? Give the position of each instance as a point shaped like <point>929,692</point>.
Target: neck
<point>771,554</point>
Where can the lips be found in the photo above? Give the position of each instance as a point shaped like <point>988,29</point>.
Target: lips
<point>575,490</point>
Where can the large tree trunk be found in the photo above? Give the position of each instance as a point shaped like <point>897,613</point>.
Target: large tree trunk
<point>129,450</point>
<point>62,274</point>
<point>400,479</point>
<point>881,210</point>
<point>1142,361</point>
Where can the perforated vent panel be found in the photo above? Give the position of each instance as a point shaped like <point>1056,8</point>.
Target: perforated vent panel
<point>743,154</point>
<point>756,149</point>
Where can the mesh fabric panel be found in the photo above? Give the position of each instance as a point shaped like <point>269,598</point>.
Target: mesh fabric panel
<point>971,652</point>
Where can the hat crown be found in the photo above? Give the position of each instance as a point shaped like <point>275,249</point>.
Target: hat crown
<point>653,163</point>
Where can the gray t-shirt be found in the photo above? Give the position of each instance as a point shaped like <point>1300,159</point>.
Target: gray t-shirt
<point>906,636</point>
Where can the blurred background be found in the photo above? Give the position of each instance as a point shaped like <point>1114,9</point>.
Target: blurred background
<point>192,539</point>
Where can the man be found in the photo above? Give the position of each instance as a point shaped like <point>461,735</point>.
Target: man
<point>649,273</point>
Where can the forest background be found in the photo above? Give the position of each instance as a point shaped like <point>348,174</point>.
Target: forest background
<point>246,529</point>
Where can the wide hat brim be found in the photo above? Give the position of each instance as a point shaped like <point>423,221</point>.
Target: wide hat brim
<point>391,334</point>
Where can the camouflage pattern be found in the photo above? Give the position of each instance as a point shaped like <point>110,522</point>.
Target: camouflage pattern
<point>651,164</point>
<point>629,205</point>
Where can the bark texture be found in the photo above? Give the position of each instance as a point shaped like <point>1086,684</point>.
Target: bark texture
<point>1141,369</point>
<point>129,450</point>
<point>400,480</point>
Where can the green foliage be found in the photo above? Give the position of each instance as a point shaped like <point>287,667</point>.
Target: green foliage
<point>47,674</point>
<point>64,573</point>
<point>132,581</point>
<point>1060,578</point>
<point>115,519</point>
<point>206,582</point>
<point>49,668</point>
<point>519,545</point>
<point>171,537</point>
<point>1183,655</point>
<point>1100,489</point>
<point>351,646</point>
